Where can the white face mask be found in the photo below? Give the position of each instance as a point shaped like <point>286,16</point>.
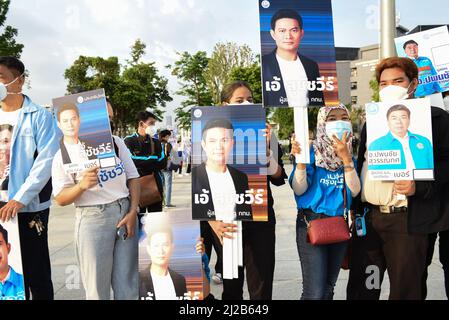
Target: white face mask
<point>394,93</point>
<point>4,91</point>
<point>150,130</point>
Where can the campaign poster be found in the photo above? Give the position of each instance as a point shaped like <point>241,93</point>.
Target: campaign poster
<point>430,51</point>
<point>11,275</point>
<point>170,268</point>
<point>298,53</point>
<point>86,132</point>
<point>400,140</point>
<point>229,163</point>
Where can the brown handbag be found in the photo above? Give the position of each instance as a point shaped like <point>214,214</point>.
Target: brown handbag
<point>149,191</point>
<point>329,230</point>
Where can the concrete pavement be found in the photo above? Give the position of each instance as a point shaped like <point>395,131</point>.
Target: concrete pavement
<point>287,279</point>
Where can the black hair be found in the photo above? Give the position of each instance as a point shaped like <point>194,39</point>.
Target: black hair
<point>164,133</point>
<point>144,116</point>
<point>4,233</point>
<point>409,42</point>
<point>398,107</point>
<point>228,90</point>
<point>217,123</point>
<point>13,64</point>
<point>286,13</point>
<point>68,106</point>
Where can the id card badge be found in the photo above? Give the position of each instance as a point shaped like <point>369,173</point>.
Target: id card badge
<point>360,226</point>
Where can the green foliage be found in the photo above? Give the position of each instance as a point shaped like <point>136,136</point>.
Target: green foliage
<point>251,75</point>
<point>225,57</point>
<point>8,44</point>
<point>374,85</point>
<point>189,69</point>
<point>131,88</point>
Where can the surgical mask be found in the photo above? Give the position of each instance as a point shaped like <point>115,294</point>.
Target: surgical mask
<point>394,93</point>
<point>4,91</point>
<point>246,102</point>
<point>338,128</point>
<point>150,130</point>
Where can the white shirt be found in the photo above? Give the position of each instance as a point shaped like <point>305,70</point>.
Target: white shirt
<point>164,289</point>
<point>112,184</point>
<point>407,152</point>
<point>295,81</point>
<point>223,194</point>
<point>11,119</point>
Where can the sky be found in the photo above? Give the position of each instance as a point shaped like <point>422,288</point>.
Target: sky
<point>55,33</point>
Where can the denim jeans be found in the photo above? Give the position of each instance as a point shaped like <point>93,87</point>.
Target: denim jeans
<point>105,260</point>
<point>320,265</point>
<point>168,178</point>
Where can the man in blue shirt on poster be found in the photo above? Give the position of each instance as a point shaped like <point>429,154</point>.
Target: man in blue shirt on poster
<point>416,151</point>
<point>425,69</point>
<point>11,283</point>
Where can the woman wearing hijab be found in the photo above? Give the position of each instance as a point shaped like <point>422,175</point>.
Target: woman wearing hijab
<point>320,189</point>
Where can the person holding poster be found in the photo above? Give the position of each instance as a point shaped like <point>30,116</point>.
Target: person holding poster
<point>416,150</point>
<point>30,150</point>
<point>148,154</point>
<point>321,189</point>
<point>105,225</point>
<point>158,279</point>
<point>258,237</point>
<point>288,67</point>
<point>396,229</point>
<point>11,282</point>
<point>425,69</point>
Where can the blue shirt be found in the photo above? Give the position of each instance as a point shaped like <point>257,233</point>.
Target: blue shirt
<point>13,289</point>
<point>324,194</point>
<point>426,86</point>
<point>420,148</point>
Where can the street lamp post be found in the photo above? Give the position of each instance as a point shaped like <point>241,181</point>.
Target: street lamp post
<point>387,28</point>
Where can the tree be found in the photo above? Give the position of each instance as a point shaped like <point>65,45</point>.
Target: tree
<point>252,75</point>
<point>189,70</point>
<point>225,57</point>
<point>374,85</point>
<point>131,88</point>
<point>8,44</point>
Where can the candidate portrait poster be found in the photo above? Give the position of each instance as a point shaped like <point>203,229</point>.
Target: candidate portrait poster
<point>400,140</point>
<point>229,163</point>
<point>298,53</point>
<point>86,132</point>
<point>11,262</point>
<point>167,246</point>
<point>430,51</point>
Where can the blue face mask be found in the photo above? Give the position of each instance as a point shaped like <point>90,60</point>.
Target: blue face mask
<point>338,128</point>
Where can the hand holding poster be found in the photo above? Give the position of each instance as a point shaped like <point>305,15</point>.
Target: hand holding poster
<point>298,53</point>
<point>229,163</point>
<point>430,52</point>
<point>170,267</point>
<point>11,279</point>
<point>400,140</point>
<point>87,139</point>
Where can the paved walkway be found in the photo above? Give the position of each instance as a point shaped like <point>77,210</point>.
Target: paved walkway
<point>287,280</point>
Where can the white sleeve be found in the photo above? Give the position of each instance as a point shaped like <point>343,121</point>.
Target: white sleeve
<point>125,157</point>
<point>59,179</point>
<point>299,183</point>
